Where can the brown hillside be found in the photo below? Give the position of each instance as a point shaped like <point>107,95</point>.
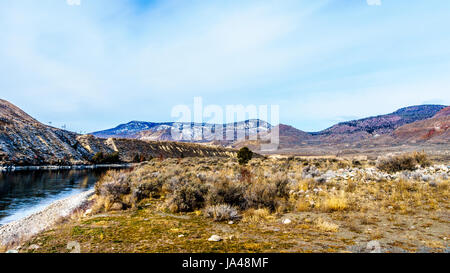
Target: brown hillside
<point>25,141</point>
<point>288,135</point>
<point>433,130</point>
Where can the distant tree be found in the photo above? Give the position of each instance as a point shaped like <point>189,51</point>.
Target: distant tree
<point>101,158</point>
<point>98,158</point>
<point>244,155</point>
<point>112,158</point>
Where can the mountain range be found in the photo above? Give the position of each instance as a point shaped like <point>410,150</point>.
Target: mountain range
<point>187,132</point>
<point>26,141</point>
<point>433,130</point>
<point>390,128</point>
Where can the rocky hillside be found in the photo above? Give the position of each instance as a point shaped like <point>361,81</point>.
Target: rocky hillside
<point>431,130</point>
<point>129,130</point>
<point>25,141</point>
<point>130,148</point>
<point>186,132</point>
<point>288,136</point>
<point>430,120</point>
<point>443,113</point>
<point>361,129</point>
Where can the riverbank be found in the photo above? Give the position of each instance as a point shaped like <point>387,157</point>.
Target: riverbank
<point>16,232</point>
<point>73,167</point>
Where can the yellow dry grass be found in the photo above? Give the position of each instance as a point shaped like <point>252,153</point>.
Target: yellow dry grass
<point>327,226</point>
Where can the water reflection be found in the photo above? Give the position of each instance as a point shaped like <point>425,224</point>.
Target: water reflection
<point>23,193</point>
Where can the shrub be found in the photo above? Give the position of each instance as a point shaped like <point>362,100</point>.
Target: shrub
<point>146,189</point>
<point>188,197</point>
<point>245,175</point>
<point>114,185</point>
<point>282,186</point>
<point>422,159</point>
<point>113,191</point>
<point>222,212</point>
<point>267,193</point>
<point>225,192</point>
<point>261,195</point>
<point>244,155</point>
<point>403,162</point>
<point>171,184</point>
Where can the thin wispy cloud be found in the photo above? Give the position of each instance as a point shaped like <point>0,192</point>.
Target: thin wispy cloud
<point>93,64</point>
<point>374,2</point>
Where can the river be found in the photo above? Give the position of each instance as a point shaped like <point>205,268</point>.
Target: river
<point>23,193</point>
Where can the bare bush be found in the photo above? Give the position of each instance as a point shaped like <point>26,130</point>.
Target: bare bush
<point>402,162</point>
<point>146,189</point>
<point>262,194</point>
<point>222,212</point>
<point>226,192</point>
<point>114,185</point>
<point>282,185</point>
<point>188,197</point>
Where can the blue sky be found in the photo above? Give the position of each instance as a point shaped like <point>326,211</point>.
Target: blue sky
<point>95,65</point>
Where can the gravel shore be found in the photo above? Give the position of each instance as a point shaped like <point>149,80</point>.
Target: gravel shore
<point>20,230</point>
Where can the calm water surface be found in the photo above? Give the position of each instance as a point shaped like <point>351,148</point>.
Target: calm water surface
<point>23,193</point>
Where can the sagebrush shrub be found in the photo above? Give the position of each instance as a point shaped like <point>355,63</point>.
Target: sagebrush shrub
<point>146,189</point>
<point>113,191</point>
<point>408,161</point>
<point>282,186</point>
<point>261,194</point>
<point>113,185</point>
<point>188,197</point>
<point>422,159</point>
<point>226,192</point>
<point>222,212</point>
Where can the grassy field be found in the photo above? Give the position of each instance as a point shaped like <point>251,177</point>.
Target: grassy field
<point>269,205</point>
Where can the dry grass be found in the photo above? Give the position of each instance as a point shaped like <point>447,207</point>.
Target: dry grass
<point>335,203</point>
<point>276,185</point>
<point>213,191</point>
<point>256,216</point>
<point>302,205</point>
<point>326,226</point>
